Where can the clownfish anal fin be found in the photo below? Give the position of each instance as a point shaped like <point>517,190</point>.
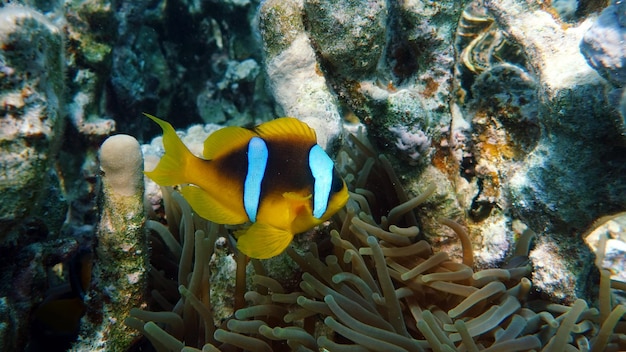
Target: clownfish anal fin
<point>262,241</point>
<point>224,141</point>
<point>286,127</point>
<point>208,208</point>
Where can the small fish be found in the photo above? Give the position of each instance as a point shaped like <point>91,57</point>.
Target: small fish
<point>58,316</point>
<point>275,176</point>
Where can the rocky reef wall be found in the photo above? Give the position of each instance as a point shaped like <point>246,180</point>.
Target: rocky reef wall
<point>512,113</point>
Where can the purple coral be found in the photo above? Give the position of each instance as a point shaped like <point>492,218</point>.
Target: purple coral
<point>415,145</point>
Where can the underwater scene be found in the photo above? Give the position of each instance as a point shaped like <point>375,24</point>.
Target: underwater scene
<point>313,175</point>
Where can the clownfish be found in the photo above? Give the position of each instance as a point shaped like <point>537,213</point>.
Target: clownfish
<point>274,176</point>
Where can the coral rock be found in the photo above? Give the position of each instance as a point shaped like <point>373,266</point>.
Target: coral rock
<point>603,44</point>
<point>297,84</point>
<point>31,104</point>
<point>348,36</point>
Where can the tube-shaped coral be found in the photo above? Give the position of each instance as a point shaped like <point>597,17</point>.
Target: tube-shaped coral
<point>121,255</point>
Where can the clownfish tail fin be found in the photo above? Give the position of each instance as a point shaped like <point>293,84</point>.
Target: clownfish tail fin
<point>170,170</point>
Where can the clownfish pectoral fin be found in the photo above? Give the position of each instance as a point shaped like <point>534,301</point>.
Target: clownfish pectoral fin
<point>297,203</point>
<point>169,171</point>
<point>286,126</point>
<point>262,241</point>
<point>226,140</point>
<point>209,208</point>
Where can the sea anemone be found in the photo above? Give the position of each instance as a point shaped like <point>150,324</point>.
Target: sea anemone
<point>376,287</point>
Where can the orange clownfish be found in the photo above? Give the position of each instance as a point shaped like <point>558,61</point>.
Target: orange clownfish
<point>275,176</point>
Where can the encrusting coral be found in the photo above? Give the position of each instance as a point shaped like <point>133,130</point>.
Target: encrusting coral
<point>375,288</point>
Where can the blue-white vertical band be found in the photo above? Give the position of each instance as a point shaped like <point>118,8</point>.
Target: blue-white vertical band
<point>322,169</point>
<point>257,161</point>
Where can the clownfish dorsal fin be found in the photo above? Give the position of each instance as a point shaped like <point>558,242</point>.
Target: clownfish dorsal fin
<point>224,141</point>
<point>286,127</point>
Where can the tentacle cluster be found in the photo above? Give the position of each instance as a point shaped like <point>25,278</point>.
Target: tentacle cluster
<point>379,289</point>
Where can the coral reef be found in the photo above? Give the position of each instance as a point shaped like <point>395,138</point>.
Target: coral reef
<point>560,181</point>
<point>388,62</point>
<point>507,118</point>
<point>26,268</point>
<point>186,56</point>
<point>120,266</point>
<point>293,72</point>
<point>602,46</point>
<point>89,24</point>
<point>31,128</point>
<point>373,288</point>
<point>71,75</point>
<point>32,71</point>
<point>517,142</point>
<point>602,43</point>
